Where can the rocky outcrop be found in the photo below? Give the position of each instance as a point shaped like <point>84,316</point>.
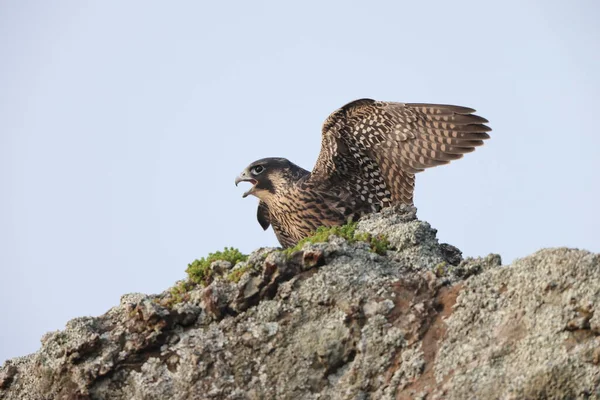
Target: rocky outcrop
<point>337,321</point>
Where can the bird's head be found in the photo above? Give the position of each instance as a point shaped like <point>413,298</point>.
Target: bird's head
<point>268,175</point>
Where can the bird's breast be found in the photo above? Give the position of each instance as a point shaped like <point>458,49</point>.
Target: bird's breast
<point>297,213</point>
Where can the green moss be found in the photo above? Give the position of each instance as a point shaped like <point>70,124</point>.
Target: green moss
<point>379,244</point>
<point>441,269</point>
<point>177,294</point>
<point>180,292</point>
<point>236,275</point>
<point>199,270</point>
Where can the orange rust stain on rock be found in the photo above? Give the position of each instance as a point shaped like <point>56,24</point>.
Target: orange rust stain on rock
<point>430,343</point>
<point>503,288</point>
<point>578,337</point>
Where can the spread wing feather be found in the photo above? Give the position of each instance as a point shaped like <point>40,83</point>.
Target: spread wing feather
<point>372,149</point>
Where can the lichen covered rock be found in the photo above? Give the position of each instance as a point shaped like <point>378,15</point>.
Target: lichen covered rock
<point>336,320</point>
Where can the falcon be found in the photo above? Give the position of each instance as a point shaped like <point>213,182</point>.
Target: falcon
<point>370,153</point>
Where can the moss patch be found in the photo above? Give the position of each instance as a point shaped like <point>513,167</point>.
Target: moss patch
<point>236,275</point>
<point>441,269</point>
<point>177,294</point>
<point>199,270</point>
<point>379,243</point>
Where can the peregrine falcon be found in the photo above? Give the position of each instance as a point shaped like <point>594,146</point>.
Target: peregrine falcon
<point>370,153</point>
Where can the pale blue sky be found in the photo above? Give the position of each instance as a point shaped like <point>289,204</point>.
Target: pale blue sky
<point>124,124</point>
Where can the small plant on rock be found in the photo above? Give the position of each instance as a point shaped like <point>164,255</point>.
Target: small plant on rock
<point>379,243</point>
<point>236,274</point>
<point>199,270</point>
<point>177,294</point>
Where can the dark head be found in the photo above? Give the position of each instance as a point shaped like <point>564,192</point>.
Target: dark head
<point>268,175</point>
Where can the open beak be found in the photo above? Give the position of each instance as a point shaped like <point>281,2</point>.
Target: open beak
<point>244,178</point>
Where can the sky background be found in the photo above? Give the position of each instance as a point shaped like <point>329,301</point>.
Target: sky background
<point>124,124</point>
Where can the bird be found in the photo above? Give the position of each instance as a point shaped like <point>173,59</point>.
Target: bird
<point>370,153</point>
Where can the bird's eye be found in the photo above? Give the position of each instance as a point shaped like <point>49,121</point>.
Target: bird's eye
<point>257,170</point>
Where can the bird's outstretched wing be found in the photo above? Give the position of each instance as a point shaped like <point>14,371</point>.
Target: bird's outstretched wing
<point>373,149</point>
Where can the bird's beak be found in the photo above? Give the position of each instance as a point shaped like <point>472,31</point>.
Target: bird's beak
<point>243,177</point>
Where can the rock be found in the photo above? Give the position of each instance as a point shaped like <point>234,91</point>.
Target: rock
<point>220,267</point>
<point>337,321</point>
<point>6,375</point>
<point>529,326</point>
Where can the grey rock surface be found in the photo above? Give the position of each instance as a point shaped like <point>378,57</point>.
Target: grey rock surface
<point>337,321</point>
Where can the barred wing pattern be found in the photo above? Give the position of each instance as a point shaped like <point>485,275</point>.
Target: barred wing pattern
<point>372,150</point>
